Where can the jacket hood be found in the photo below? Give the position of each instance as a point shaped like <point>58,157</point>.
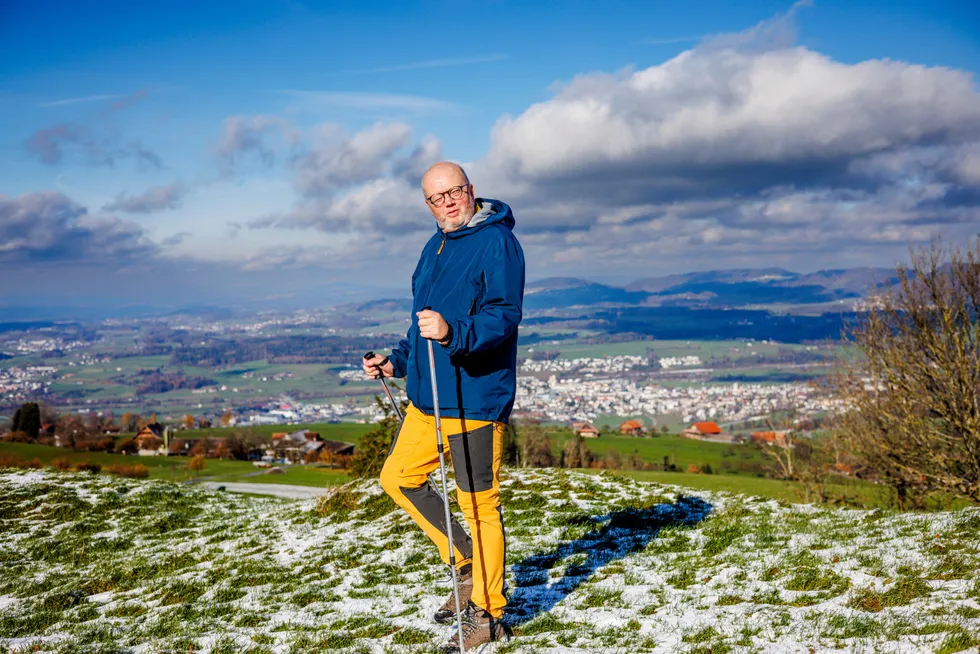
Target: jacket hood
<point>488,212</point>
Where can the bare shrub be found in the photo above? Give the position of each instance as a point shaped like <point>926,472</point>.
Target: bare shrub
<point>135,471</point>
<point>911,415</point>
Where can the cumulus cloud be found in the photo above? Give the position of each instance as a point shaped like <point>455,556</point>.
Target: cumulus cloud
<point>157,198</point>
<point>745,143</point>
<point>48,226</point>
<point>413,166</point>
<point>336,160</point>
<point>699,122</point>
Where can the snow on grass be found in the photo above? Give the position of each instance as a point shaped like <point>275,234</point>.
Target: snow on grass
<point>595,564</point>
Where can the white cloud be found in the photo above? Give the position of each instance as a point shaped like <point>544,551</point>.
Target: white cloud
<point>336,160</point>
<point>740,147</point>
<point>710,112</point>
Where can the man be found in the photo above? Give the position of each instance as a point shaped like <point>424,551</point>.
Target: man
<point>468,289</point>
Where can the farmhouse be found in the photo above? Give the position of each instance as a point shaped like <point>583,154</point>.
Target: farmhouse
<point>150,439</point>
<point>585,429</point>
<point>631,428</point>
<point>298,445</point>
<point>701,430</point>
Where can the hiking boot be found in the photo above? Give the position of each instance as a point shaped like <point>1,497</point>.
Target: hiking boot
<point>479,629</point>
<point>447,612</point>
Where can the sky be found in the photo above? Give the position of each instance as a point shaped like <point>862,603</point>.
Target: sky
<point>203,153</point>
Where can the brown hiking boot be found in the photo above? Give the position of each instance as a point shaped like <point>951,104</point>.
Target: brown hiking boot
<point>447,612</point>
<point>479,628</point>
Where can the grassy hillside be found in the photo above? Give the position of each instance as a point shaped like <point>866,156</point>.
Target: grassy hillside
<point>594,563</point>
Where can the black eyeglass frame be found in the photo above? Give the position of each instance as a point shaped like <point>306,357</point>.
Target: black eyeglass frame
<point>462,188</point>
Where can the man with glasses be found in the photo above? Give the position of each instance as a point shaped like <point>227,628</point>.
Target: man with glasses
<point>468,290</point>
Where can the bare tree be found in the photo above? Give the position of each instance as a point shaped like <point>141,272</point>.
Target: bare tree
<point>910,401</point>
<point>535,445</point>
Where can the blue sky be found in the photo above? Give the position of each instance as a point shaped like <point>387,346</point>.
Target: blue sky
<point>203,151</point>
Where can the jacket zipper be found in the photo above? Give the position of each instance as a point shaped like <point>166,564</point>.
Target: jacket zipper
<point>432,281</point>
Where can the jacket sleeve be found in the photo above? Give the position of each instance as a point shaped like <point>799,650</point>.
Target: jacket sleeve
<point>400,353</point>
<point>501,310</point>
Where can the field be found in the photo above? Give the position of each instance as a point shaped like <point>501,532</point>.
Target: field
<point>595,563</point>
<point>174,468</point>
<point>681,451</point>
<point>240,383</point>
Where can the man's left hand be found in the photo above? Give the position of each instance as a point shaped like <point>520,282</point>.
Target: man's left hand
<point>432,325</point>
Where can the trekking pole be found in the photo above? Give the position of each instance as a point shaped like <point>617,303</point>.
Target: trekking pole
<point>445,495</point>
<point>370,355</point>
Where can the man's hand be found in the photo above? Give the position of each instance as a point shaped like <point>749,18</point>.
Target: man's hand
<point>371,367</point>
<point>432,325</point>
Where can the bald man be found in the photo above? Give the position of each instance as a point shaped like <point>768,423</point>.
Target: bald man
<point>468,289</point>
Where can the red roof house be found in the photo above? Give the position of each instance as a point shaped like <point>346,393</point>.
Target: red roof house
<point>701,429</point>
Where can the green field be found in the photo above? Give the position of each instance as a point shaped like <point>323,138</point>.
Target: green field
<point>98,384</point>
<point>301,475</point>
<point>681,451</point>
<point>161,467</point>
<point>174,468</point>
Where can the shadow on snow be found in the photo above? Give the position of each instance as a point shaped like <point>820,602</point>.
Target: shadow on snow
<point>615,536</point>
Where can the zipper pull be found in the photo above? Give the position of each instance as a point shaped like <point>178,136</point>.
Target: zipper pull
<point>440,247</point>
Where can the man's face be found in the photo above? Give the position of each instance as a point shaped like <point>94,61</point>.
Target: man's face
<point>451,214</point>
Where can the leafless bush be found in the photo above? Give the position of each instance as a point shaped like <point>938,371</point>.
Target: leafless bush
<point>910,411</point>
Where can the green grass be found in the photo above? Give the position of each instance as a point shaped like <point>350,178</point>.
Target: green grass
<point>771,488</point>
<point>100,562</point>
<point>294,476</point>
<point>160,467</point>
<point>681,451</point>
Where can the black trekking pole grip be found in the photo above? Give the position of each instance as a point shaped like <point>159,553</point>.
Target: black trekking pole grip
<point>371,355</point>
<point>381,376</point>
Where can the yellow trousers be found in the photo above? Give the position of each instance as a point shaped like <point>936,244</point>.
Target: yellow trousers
<point>475,449</point>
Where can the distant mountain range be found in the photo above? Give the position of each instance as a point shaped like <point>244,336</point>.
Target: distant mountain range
<point>714,289</point>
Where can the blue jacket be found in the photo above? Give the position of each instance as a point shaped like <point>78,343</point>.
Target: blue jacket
<point>473,277</point>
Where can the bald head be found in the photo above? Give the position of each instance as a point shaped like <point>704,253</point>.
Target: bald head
<point>439,184</point>
<point>443,169</point>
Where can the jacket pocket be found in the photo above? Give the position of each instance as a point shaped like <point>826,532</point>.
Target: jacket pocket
<point>479,290</point>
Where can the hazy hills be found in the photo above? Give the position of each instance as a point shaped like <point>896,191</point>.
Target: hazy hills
<point>713,289</point>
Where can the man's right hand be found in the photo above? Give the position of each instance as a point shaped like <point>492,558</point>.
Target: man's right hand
<point>371,367</point>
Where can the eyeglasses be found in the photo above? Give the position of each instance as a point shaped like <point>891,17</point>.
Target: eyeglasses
<point>456,192</point>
